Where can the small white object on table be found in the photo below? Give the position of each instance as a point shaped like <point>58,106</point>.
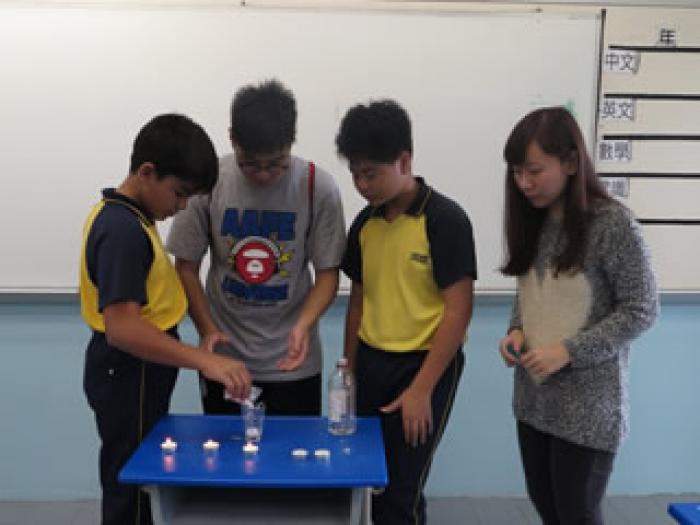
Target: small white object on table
<point>250,448</point>
<point>168,445</point>
<point>210,445</point>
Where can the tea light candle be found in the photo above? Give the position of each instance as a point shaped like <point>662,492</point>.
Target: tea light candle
<point>250,448</point>
<point>252,434</point>
<point>210,445</point>
<point>168,445</point>
<point>322,453</point>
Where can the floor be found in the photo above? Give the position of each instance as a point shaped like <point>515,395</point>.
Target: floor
<point>618,510</point>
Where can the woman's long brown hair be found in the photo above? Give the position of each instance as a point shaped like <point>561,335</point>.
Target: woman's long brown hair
<point>555,130</point>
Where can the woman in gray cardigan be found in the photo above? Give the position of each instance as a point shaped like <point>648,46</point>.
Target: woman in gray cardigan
<point>585,290</point>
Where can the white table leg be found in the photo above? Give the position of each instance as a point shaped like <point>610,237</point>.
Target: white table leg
<point>164,503</point>
<point>366,518</point>
<point>360,511</point>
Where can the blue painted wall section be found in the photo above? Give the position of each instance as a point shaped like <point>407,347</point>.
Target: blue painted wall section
<point>48,444</point>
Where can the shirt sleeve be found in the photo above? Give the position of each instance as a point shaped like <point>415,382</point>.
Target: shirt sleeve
<point>451,244</point>
<point>352,259</point>
<point>327,235</point>
<point>515,320</point>
<point>189,233</point>
<point>120,260</point>
<point>625,262</point>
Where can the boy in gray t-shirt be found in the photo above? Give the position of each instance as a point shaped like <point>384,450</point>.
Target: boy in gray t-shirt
<point>268,217</point>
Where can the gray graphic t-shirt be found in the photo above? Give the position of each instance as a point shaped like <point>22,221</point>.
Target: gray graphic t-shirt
<point>260,254</point>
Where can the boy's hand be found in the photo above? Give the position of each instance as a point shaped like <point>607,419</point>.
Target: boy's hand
<point>416,413</point>
<point>210,341</point>
<point>297,349</point>
<point>544,361</point>
<point>231,373</point>
<point>511,344</point>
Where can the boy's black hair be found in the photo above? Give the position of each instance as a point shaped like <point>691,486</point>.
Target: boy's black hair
<point>378,132</point>
<point>177,147</point>
<point>263,117</point>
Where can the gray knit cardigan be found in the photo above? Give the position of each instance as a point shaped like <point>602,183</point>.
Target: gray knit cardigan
<point>596,313</point>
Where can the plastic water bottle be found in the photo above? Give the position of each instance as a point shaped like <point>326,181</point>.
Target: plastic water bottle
<point>341,400</point>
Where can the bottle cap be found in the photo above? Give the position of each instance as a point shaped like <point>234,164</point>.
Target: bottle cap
<point>342,361</point>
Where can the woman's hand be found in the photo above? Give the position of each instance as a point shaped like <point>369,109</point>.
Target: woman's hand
<point>511,347</point>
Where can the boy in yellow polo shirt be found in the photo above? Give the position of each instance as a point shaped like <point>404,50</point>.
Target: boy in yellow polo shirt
<point>411,258</point>
<point>132,299</point>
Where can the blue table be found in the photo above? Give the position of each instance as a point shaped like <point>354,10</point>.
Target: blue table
<point>685,513</point>
<point>192,478</point>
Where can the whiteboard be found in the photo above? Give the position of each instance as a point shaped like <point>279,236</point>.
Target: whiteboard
<point>79,81</point>
<point>658,178</point>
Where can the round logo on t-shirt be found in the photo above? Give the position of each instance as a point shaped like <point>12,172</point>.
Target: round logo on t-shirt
<point>255,259</point>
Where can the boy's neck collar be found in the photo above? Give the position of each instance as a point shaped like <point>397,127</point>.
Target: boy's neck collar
<point>118,194</point>
<point>417,205</point>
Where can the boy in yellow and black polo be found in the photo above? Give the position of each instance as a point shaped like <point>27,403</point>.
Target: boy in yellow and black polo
<point>132,299</point>
<point>412,262</point>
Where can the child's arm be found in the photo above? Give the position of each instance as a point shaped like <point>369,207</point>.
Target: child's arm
<point>198,304</point>
<point>352,323</point>
<point>189,240</point>
<point>324,247</point>
<point>352,267</point>
<point>320,296</point>
<point>127,330</point>
<point>415,402</point>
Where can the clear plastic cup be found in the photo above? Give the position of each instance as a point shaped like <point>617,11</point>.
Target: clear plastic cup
<point>253,420</point>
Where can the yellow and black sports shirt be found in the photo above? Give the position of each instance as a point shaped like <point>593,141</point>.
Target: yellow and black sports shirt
<point>402,266</point>
<point>123,260</point>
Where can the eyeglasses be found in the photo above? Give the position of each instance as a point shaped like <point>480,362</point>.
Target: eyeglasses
<point>275,166</point>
